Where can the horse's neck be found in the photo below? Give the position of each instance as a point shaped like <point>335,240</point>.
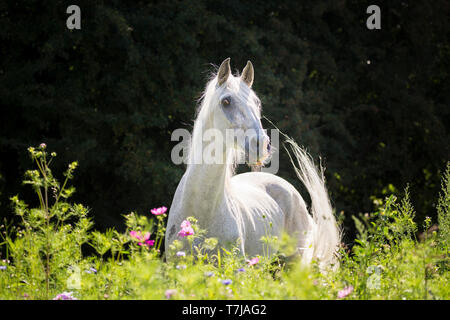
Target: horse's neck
<point>205,188</point>
<point>206,185</point>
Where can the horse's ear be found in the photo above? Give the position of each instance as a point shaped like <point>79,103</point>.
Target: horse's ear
<point>248,74</point>
<point>224,71</point>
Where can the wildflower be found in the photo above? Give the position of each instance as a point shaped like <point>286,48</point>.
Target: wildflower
<point>133,234</point>
<point>186,229</point>
<point>169,293</point>
<point>345,292</point>
<point>143,238</point>
<point>253,261</point>
<point>158,211</point>
<point>65,296</point>
<point>42,146</point>
<point>2,267</point>
<point>185,224</point>
<point>181,266</point>
<point>227,282</point>
<point>186,232</point>
<point>241,270</point>
<point>209,274</point>
<point>91,270</point>
<point>149,243</point>
<point>181,254</point>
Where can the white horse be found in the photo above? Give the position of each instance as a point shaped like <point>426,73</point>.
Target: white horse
<point>251,205</point>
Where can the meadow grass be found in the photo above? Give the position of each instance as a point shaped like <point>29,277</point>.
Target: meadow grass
<point>52,252</point>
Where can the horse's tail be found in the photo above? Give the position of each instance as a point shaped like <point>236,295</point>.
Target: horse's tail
<point>326,235</point>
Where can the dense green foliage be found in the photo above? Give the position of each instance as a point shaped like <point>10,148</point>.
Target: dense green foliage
<point>45,256</point>
<point>373,104</point>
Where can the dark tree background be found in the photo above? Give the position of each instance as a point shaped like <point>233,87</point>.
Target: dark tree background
<point>374,104</point>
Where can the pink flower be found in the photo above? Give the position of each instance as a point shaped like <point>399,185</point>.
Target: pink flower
<point>185,224</point>
<point>169,293</point>
<point>345,292</point>
<point>143,239</point>
<point>65,296</point>
<point>253,261</point>
<point>149,243</point>
<point>133,234</point>
<point>158,211</point>
<point>186,232</point>
<point>186,229</point>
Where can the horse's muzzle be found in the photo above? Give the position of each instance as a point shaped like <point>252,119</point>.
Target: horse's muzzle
<point>257,149</point>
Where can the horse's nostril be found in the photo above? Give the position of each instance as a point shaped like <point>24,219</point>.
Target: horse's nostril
<point>268,147</point>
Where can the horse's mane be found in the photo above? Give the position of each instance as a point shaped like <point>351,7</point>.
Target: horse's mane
<point>203,120</point>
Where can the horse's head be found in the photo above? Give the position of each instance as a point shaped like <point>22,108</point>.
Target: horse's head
<point>236,110</point>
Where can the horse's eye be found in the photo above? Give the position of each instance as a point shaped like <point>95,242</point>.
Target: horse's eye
<point>226,102</point>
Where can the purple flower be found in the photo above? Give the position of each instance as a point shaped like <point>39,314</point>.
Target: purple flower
<point>241,270</point>
<point>227,282</point>
<point>182,266</point>
<point>181,254</point>
<point>169,293</point>
<point>209,274</point>
<point>65,296</point>
<point>91,270</point>
<point>2,267</point>
<point>345,292</point>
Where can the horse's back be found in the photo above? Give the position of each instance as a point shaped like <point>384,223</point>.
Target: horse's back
<point>295,212</point>
<point>276,187</point>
